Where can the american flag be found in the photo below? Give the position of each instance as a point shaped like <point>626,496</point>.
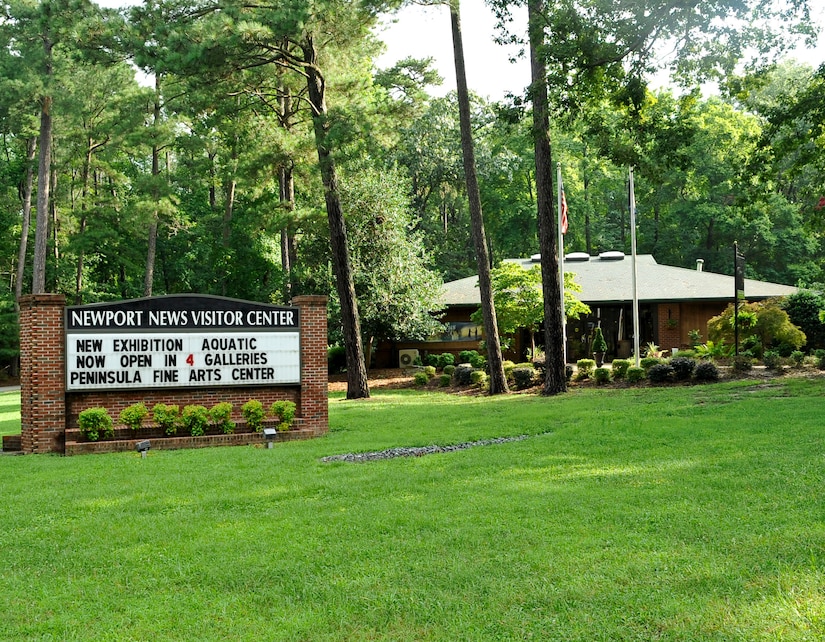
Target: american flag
<point>563,212</point>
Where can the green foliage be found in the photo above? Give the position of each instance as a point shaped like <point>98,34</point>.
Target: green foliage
<point>336,359</point>
<point>284,410</point>
<point>429,371</point>
<point>804,311</point>
<point>683,367</point>
<point>445,380</point>
<point>167,417</point>
<point>9,333</point>
<point>134,415</point>
<point>585,368</point>
<point>478,377</point>
<point>421,379</point>
<point>449,369</point>
<point>221,415</point>
<point>635,374</point>
<point>445,359</point>
<point>524,377</point>
<point>661,373</point>
<point>706,371</point>
<point>599,344</point>
<point>195,419</point>
<point>742,363</point>
<point>797,358</point>
<point>253,413</point>
<point>463,374</point>
<point>95,423</point>
<point>620,367</point>
<point>764,323</point>
<point>601,375</point>
<point>695,337</point>
<point>648,362</point>
<point>772,360</point>
<point>713,350</point>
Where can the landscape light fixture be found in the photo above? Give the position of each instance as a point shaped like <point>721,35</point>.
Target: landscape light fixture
<point>142,447</point>
<point>270,434</point>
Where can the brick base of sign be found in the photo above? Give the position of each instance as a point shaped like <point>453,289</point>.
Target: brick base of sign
<point>49,414</point>
<point>126,439</point>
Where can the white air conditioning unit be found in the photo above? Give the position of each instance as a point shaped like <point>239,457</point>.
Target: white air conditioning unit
<point>407,358</point>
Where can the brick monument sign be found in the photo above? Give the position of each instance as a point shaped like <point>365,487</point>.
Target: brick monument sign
<point>178,349</point>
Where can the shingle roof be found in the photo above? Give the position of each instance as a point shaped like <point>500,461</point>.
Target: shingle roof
<point>605,280</point>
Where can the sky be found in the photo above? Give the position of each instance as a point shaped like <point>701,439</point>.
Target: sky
<point>421,32</point>
<point>424,31</point>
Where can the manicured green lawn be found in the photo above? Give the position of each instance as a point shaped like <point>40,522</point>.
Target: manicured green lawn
<point>644,514</point>
<point>9,413</point>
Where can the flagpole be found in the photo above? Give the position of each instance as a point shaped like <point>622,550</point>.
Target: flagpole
<point>561,263</point>
<point>636,349</point>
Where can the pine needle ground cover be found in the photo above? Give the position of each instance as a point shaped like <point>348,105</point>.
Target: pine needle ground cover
<point>691,513</point>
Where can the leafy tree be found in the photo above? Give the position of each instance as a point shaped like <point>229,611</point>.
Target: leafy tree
<point>519,303</point>
<point>764,321</point>
<point>804,310</point>
<point>398,294</point>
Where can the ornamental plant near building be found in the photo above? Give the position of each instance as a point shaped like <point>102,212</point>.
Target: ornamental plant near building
<point>95,423</point>
<point>253,413</point>
<point>221,414</point>
<point>195,418</point>
<point>285,412</point>
<point>134,415</point>
<point>167,417</point>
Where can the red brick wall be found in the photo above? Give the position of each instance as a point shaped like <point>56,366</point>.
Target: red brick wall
<point>42,373</point>
<point>47,410</point>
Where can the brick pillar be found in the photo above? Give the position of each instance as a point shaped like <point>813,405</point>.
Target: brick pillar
<point>313,407</point>
<point>42,373</point>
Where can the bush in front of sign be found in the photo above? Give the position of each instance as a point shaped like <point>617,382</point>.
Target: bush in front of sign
<point>195,419</point>
<point>95,423</point>
<point>221,414</point>
<point>253,413</point>
<point>285,412</point>
<point>167,417</point>
<point>133,416</point>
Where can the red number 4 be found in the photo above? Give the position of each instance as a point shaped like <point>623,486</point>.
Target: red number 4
<point>190,360</point>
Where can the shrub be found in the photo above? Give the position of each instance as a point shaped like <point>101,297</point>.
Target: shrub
<point>195,419</point>
<point>568,372</point>
<point>508,367</point>
<point>133,416</point>
<point>479,362</point>
<point>661,373</point>
<point>742,363</point>
<point>336,359</point>
<point>797,358</point>
<point>284,410</point>
<point>462,374</point>
<point>599,344</point>
<point>253,413</point>
<point>523,377</point>
<point>432,361</point>
<point>772,360</point>
<point>635,374</point>
<point>620,367</point>
<point>445,359</point>
<point>420,379</point>
<point>602,375</point>
<point>706,371</point>
<point>167,417</point>
<point>466,356</point>
<point>429,371</point>
<point>648,362</point>
<point>819,357</point>
<point>478,377</point>
<point>585,368</point>
<point>95,423</point>
<point>444,380</point>
<point>221,414</point>
<point>449,369</point>
<point>683,367</point>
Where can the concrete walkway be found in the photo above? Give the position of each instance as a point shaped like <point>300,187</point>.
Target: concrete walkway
<point>8,389</point>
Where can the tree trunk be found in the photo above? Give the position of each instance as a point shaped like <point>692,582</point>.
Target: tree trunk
<point>357,384</point>
<point>286,182</point>
<point>31,148</point>
<point>555,380</point>
<point>151,250</point>
<point>498,380</point>
<point>41,232</point>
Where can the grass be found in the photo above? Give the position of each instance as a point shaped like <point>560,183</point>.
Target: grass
<point>691,513</point>
<point>9,413</point>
